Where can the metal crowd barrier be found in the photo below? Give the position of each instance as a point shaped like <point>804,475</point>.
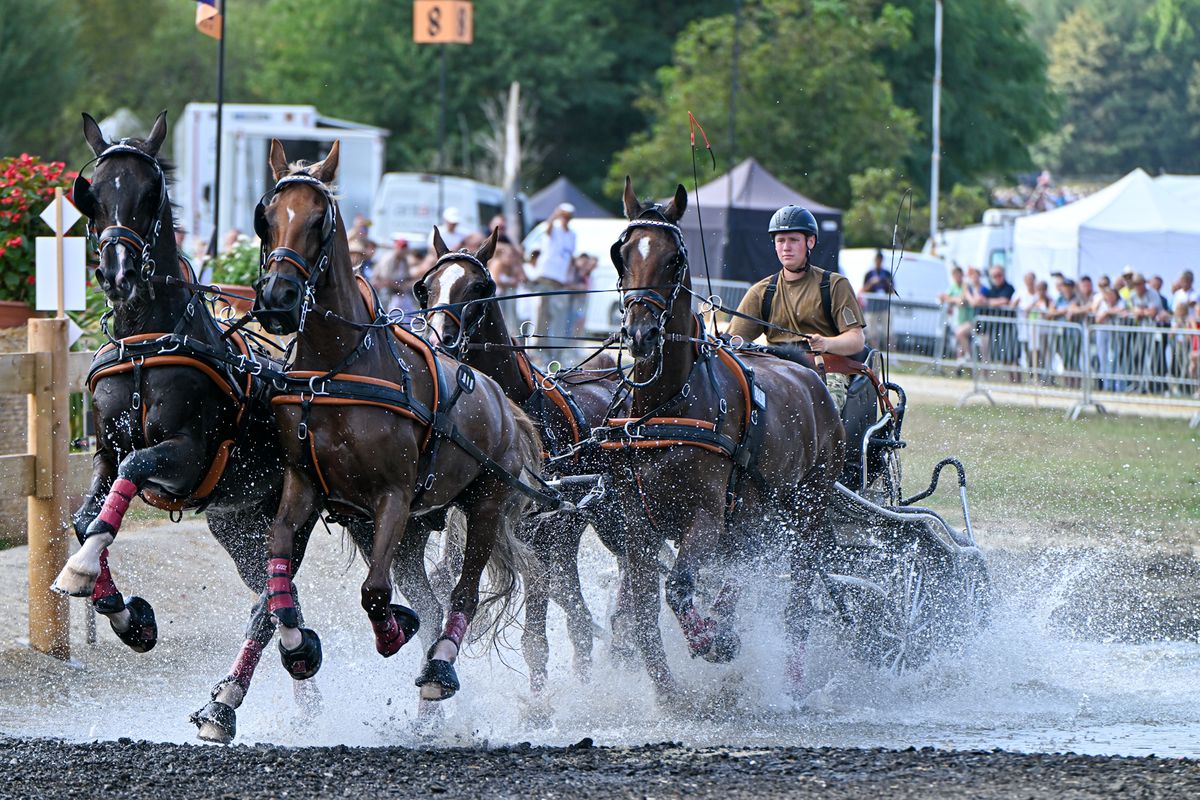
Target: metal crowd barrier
<point>1134,362</point>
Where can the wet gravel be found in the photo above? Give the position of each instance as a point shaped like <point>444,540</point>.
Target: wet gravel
<point>129,769</point>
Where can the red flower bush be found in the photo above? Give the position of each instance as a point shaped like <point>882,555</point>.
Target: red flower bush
<point>26,188</point>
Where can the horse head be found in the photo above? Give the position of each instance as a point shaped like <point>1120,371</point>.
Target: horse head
<point>127,209</point>
<point>300,228</point>
<point>457,279</point>
<point>651,263</point>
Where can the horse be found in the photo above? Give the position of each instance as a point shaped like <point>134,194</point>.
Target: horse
<point>694,462</point>
<point>468,323</point>
<point>372,432</point>
<point>181,418</point>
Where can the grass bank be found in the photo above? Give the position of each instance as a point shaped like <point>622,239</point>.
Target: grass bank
<point>1035,477</point>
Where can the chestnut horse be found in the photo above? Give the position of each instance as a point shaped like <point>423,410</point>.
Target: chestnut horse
<point>180,416</point>
<point>373,432</point>
<point>469,324</point>
<point>725,459</point>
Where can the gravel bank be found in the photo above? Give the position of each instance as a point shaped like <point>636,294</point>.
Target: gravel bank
<point>127,769</point>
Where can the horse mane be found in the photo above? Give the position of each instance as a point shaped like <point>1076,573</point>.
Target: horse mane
<point>301,167</point>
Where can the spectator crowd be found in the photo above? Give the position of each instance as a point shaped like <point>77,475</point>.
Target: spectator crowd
<point>1141,335</point>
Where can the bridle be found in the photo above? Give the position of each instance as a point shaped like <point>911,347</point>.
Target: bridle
<point>649,297</point>
<point>455,311</point>
<point>120,235</point>
<point>275,319</point>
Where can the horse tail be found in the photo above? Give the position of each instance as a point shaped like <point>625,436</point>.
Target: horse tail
<point>510,557</point>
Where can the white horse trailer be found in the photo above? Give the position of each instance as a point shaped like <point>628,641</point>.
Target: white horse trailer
<point>245,172</point>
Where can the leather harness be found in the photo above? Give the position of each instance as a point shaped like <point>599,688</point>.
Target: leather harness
<point>333,388</point>
<point>137,353</point>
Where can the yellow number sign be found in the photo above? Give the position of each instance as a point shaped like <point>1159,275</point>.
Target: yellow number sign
<point>442,22</point>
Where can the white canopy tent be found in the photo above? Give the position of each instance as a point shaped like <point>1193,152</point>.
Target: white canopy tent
<point>1151,224</point>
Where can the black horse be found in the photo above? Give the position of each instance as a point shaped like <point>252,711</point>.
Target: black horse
<point>181,418</point>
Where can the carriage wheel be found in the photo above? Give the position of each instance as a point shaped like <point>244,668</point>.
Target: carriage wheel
<point>885,489</point>
<point>905,625</point>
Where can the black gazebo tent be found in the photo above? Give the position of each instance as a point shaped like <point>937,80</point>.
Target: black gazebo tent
<point>542,204</point>
<point>736,209</point>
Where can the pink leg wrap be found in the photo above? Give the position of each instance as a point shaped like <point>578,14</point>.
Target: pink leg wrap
<point>104,584</point>
<point>117,503</point>
<point>456,628</point>
<point>388,636</point>
<point>698,631</point>
<point>245,663</point>
<point>279,584</point>
<point>795,666</point>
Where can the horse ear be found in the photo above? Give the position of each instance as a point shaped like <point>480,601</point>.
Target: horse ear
<point>278,160</point>
<point>158,134</point>
<point>439,245</point>
<point>488,249</point>
<point>326,171</point>
<point>93,134</point>
<point>677,206</point>
<point>632,206</point>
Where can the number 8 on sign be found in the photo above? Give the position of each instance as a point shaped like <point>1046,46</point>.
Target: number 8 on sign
<point>442,22</point>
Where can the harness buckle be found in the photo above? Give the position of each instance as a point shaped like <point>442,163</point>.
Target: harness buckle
<point>302,431</point>
<point>137,400</point>
<point>312,387</point>
<point>630,433</point>
<point>736,342</point>
<point>428,482</point>
<point>723,405</point>
<point>419,324</point>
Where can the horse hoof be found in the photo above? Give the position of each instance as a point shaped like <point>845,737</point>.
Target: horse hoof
<point>73,583</point>
<point>217,722</point>
<point>408,620</point>
<point>142,633</point>
<point>305,660</point>
<point>438,681</point>
<point>725,648</point>
<point>407,623</point>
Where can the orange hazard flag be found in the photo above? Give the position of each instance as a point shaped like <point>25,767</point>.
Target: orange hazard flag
<point>208,19</point>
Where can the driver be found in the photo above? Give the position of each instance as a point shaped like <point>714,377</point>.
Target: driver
<point>803,298</point>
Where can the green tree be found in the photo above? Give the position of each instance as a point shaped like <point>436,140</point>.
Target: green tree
<point>1130,97</point>
<point>995,97</point>
<point>813,106</point>
<point>357,60</point>
<point>39,70</point>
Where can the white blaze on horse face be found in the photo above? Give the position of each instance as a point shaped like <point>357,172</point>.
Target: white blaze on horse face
<point>644,246</point>
<point>450,278</point>
<point>291,214</point>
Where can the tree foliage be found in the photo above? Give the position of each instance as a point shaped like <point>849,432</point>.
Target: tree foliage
<point>1130,93</point>
<point>995,97</point>
<point>796,111</point>
<point>37,67</point>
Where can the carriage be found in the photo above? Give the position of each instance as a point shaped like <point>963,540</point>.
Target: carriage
<point>900,580</point>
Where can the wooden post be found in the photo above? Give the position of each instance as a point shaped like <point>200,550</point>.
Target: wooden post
<point>49,431</point>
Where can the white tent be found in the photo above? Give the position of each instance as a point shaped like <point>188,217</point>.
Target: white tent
<point>1152,224</point>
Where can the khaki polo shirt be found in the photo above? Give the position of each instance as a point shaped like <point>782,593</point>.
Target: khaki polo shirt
<point>797,306</point>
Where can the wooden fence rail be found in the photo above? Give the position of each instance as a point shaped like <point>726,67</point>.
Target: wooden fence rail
<point>47,474</point>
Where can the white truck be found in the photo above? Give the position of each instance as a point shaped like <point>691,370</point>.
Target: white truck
<point>245,172</point>
<point>407,206</point>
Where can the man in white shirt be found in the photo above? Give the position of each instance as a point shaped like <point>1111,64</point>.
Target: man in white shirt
<point>554,269</point>
<point>1185,291</point>
<point>452,234</point>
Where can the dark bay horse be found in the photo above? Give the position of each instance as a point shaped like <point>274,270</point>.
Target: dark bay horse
<point>374,430</point>
<point>471,327</point>
<point>725,459</point>
<point>181,419</point>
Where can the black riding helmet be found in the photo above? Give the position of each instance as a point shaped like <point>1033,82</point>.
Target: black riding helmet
<point>793,218</point>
